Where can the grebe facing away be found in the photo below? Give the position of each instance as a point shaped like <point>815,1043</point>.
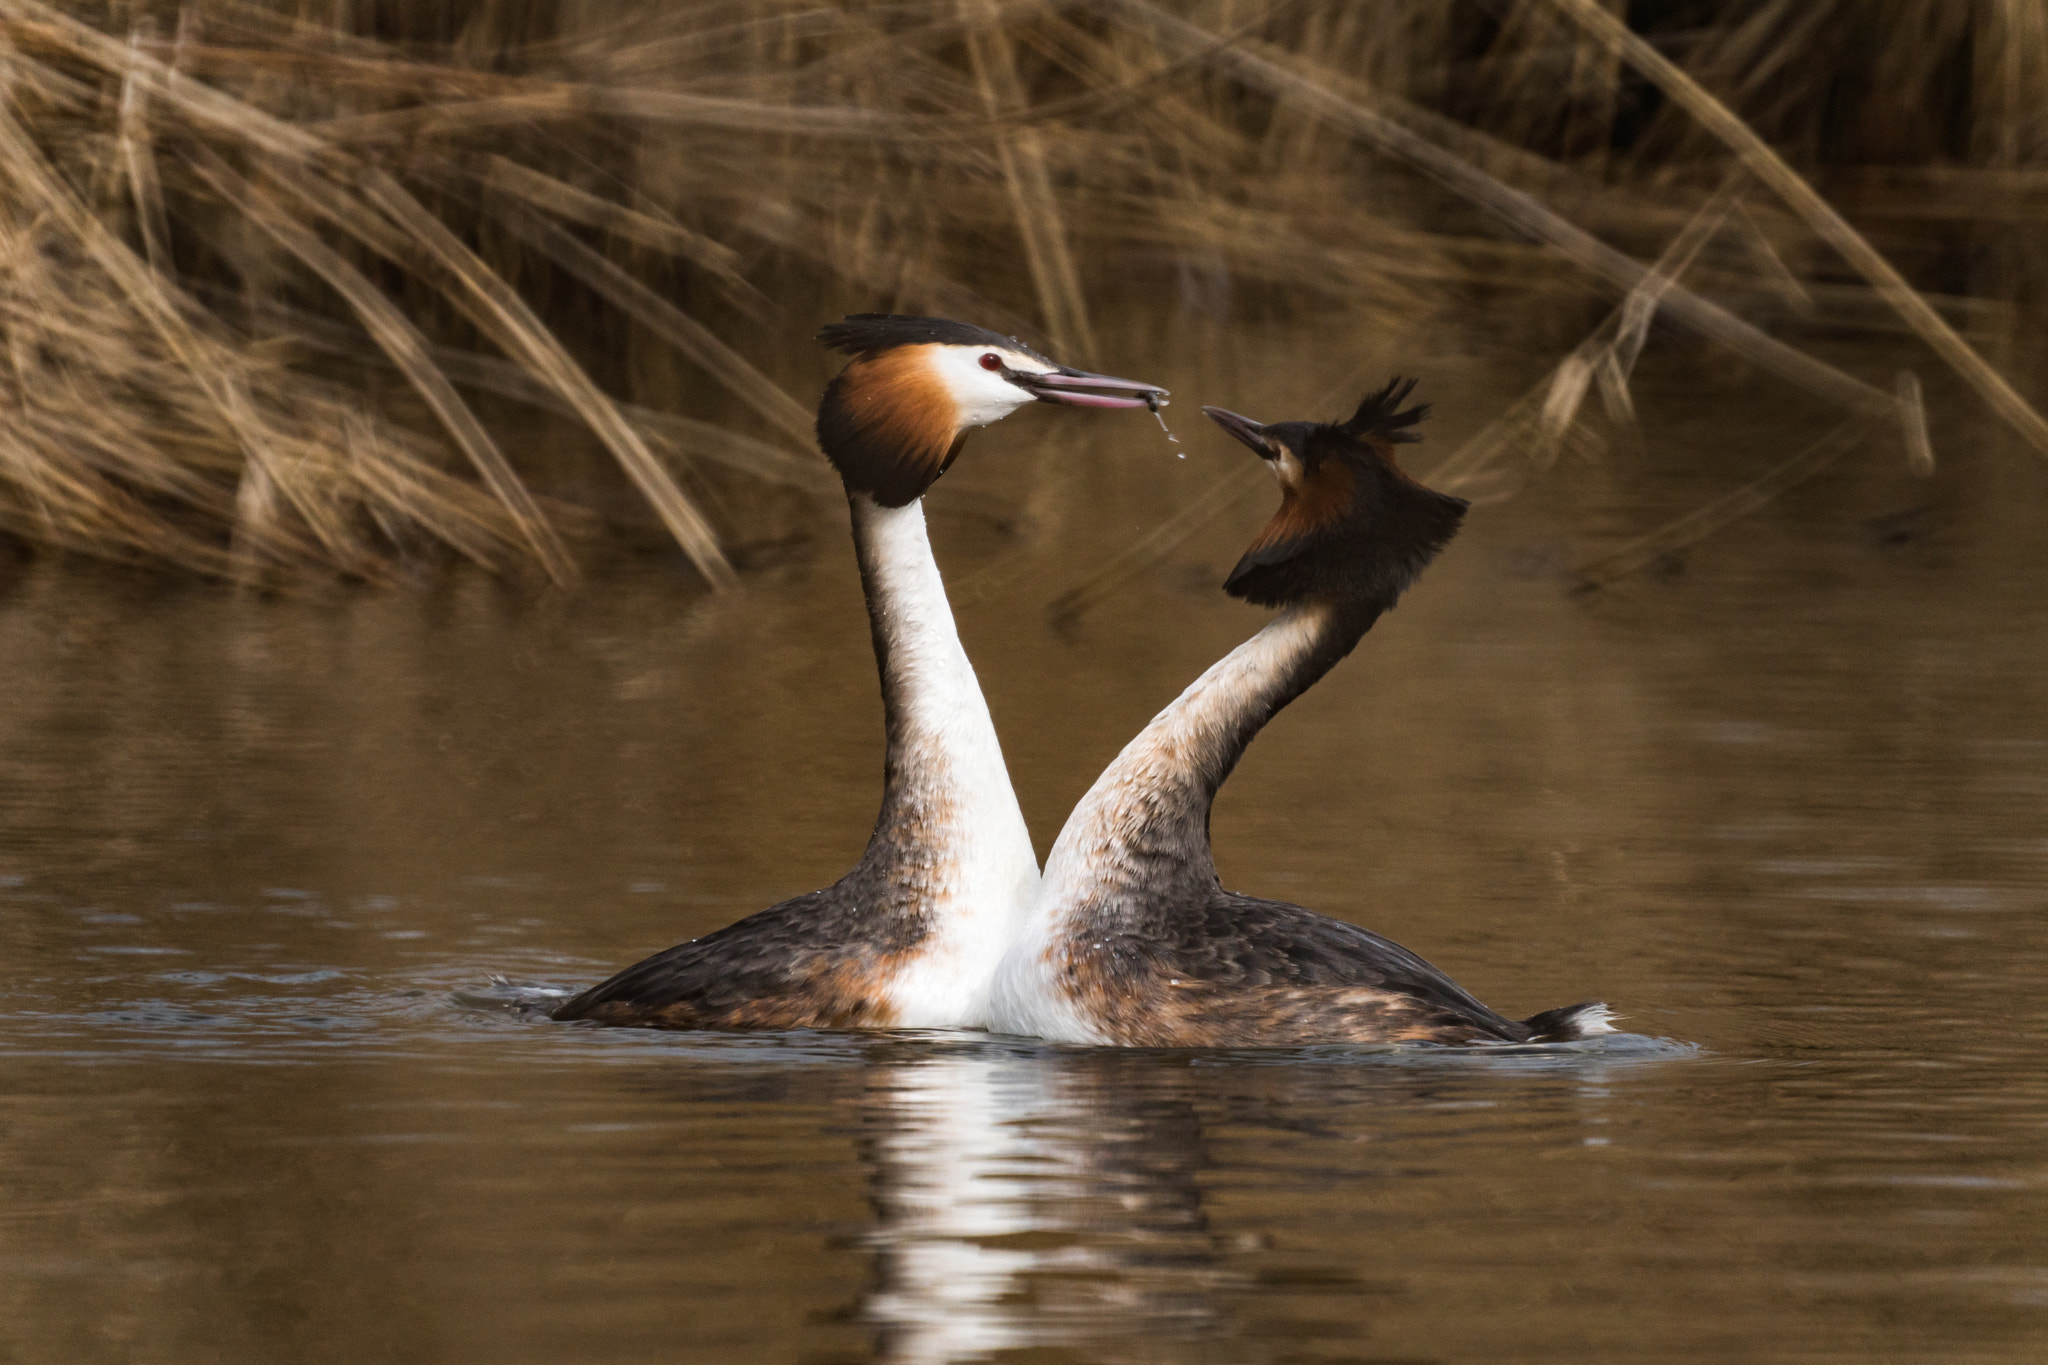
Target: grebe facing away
<point>911,937</point>
<point>1132,940</point>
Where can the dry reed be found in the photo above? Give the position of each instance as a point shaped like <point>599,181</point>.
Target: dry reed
<point>228,227</point>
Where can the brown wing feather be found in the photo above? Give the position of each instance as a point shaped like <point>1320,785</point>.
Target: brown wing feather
<point>1164,1012</point>
<point>1224,970</point>
<point>843,993</point>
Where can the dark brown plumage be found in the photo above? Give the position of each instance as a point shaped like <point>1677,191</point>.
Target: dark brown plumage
<point>1229,970</point>
<point>821,960</point>
<point>871,334</point>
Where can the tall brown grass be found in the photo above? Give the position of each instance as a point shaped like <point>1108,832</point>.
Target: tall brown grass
<point>282,285</point>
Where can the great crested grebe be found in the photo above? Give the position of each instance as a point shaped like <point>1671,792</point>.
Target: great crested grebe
<point>911,937</point>
<point>1133,941</point>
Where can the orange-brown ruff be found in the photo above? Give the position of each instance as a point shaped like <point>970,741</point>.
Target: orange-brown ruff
<point>1133,940</point>
<point>900,425</point>
<point>911,936</point>
<point>1308,505</point>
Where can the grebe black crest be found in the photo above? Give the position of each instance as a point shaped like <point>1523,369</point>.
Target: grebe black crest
<point>910,938</point>
<point>1133,941</point>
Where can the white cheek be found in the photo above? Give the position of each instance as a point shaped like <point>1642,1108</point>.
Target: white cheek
<point>1287,469</point>
<point>982,396</point>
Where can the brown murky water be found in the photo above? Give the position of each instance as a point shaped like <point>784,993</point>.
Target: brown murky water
<point>259,1101</point>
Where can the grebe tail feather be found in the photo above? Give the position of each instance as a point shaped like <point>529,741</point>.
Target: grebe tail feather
<point>1570,1023</point>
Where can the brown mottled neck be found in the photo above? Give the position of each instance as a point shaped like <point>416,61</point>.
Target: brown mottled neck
<point>1145,822</point>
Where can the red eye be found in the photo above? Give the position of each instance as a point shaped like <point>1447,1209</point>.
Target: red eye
<point>991,361</point>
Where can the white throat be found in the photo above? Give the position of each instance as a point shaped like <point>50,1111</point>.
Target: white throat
<point>950,821</point>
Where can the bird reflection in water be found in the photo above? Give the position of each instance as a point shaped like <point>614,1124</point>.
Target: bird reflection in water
<point>1033,1199</point>
<point>1066,1199</point>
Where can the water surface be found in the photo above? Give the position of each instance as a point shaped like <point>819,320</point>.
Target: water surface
<point>1779,800</point>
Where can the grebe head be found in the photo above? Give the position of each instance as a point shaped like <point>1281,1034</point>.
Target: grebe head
<point>894,419</point>
<point>1352,526</point>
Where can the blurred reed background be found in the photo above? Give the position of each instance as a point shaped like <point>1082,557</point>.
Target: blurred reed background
<point>361,286</point>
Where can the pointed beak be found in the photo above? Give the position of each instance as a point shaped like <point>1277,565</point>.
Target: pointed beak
<point>1244,429</point>
<point>1078,388</point>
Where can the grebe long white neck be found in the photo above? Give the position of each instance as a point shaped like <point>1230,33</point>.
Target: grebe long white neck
<point>950,854</point>
<point>1145,822</point>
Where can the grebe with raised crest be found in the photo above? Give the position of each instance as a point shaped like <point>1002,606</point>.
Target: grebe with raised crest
<point>1133,941</point>
<point>910,938</point>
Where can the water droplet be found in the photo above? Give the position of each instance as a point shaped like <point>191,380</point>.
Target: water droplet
<point>1154,402</point>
